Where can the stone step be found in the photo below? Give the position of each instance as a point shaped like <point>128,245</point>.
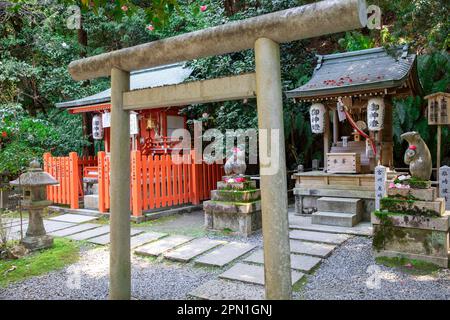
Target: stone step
<point>73,218</point>
<point>220,289</point>
<point>106,238</point>
<point>252,274</point>
<point>322,237</point>
<point>145,238</point>
<point>160,246</point>
<point>298,261</point>
<point>90,233</point>
<point>335,218</point>
<point>311,248</point>
<point>194,248</point>
<point>91,201</point>
<point>72,230</point>
<point>226,254</point>
<point>51,226</point>
<point>346,205</point>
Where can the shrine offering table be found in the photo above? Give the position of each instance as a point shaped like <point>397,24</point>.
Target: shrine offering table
<point>311,185</point>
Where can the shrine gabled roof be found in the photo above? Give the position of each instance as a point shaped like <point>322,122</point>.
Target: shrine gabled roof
<point>142,79</point>
<point>363,70</point>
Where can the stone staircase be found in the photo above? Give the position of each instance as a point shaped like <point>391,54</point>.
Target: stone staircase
<point>342,212</point>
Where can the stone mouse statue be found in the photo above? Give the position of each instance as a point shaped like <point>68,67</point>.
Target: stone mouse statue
<point>235,164</point>
<point>417,156</point>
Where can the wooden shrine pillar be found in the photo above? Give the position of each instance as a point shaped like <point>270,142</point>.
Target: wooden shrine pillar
<point>386,135</point>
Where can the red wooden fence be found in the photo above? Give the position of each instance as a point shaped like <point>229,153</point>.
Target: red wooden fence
<point>68,172</point>
<point>156,181</point>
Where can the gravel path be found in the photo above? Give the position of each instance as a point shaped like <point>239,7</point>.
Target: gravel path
<point>150,279</point>
<point>343,276</point>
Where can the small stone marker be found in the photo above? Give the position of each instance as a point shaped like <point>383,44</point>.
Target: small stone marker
<point>192,249</point>
<point>105,239</point>
<point>252,274</point>
<point>145,237</point>
<point>444,185</point>
<point>74,218</point>
<point>321,250</point>
<point>329,238</point>
<point>75,229</point>
<point>225,254</point>
<point>219,289</point>
<point>90,233</point>
<point>380,184</point>
<point>51,226</point>
<point>298,262</point>
<point>161,246</point>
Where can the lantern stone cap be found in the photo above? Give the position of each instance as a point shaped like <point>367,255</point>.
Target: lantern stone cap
<point>436,94</point>
<point>34,177</point>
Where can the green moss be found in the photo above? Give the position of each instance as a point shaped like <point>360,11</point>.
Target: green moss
<point>411,266</point>
<point>63,252</point>
<point>414,182</point>
<point>386,231</point>
<point>406,206</point>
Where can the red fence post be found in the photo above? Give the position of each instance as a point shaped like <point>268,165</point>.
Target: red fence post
<point>74,180</point>
<point>136,185</point>
<point>101,181</point>
<point>46,158</point>
<point>195,183</point>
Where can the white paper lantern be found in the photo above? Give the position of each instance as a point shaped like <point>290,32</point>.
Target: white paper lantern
<point>317,117</point>
<point>97,128</point>
<point>375,114</point>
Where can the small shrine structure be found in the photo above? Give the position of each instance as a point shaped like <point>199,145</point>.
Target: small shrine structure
<point>351,96</point>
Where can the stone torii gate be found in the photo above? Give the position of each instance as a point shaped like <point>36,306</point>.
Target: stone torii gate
<point>263,34</point>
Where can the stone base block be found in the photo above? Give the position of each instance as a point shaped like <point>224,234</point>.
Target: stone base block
<point>393,204</point>
<point>249,184</point>
<point>236,195</point>
<point>429,194</point>
<point>38,242</point>
<point>91,201</point>
<point>243,219</point>
<point>421,238</point>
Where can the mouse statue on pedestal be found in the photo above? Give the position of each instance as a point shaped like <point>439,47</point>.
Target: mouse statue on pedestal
<point>417,156</point>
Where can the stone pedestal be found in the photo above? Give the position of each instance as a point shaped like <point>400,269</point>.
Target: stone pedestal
<point>412,223</point>
<point>36,237</point>
<point>234,206</point>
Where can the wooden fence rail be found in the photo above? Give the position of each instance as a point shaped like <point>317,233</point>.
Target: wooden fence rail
<point>156,181</point>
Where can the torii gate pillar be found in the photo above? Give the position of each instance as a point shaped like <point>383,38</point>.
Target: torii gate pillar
<point>119,259</point>
<point>277,262</point>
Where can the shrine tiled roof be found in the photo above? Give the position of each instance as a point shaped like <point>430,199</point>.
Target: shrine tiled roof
<point>363,70</point>
<point>142,79</point>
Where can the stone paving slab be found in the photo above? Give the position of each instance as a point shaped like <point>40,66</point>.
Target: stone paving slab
<point>252,274</point>
<point>75,229</point>
<point>51,226</point>
<point>160,246</point>
<point>321,250</point>
<point>74,218</point>
<point>298,262</point>
<point>16,228</point>
<point>106,238</point>
<point>330,238</point>
<point>192,249</point>
<point>90,233</point>
<point>225,254</point>
<point>220,289</point>
<point>146,237</point>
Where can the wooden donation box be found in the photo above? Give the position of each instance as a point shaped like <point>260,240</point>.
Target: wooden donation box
<point>343,163</point>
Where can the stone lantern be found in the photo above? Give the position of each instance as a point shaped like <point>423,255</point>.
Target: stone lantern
<point>34,183</point>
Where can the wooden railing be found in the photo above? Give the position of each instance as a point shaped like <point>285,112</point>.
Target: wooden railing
<point>68,172</point>
<point>157,181</point>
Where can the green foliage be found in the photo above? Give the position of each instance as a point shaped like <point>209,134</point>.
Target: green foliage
<point>354,41</point>
<point>63,252</point>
